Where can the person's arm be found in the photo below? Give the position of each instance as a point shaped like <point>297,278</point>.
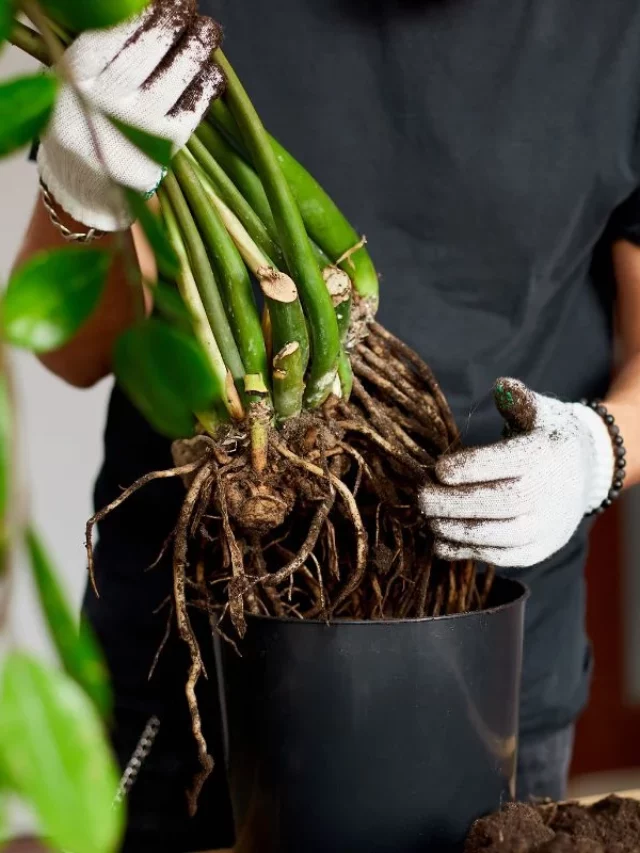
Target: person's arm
<point>154,72</point>
<point>623,400</point>
<point>87,358</point>
<point>517,502</point>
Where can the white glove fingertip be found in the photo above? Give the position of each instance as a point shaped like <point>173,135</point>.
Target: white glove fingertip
<point>164,88</point>
<point>483,533</point>
<point>455,553</point>
<point>141,54</point>
<point>450,469</point>
<point>189,110</point>
<point>504,460</point>
<point>433,501</point>
<point>92,51</point>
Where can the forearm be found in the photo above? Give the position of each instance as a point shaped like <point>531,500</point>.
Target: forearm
<point>623,400</point>
<point>87,358</point>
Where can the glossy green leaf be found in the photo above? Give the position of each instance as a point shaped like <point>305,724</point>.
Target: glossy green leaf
<point>157,148</point>
<point>51,295</point>
<point>26,104</point>
<point>166,375</point>
<point>168,304</point>
<point>155,233</point>
<point>4,828</point>
<point>91,14</point>
<point>79,652</point>
<point>56,756</point>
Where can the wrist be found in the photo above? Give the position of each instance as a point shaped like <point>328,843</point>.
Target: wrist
<point>70,229</point>
<point>602,459</point>
<point>88,197</point>
<point>626,417</point>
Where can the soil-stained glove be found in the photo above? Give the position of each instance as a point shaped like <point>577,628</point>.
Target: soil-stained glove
<point>517,502</point>
<point>154,72</point>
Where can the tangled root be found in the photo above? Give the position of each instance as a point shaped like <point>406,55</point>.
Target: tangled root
<point>327,525</point>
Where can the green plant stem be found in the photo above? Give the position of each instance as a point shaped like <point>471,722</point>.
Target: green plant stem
<point>205,280</point>
<point>63,36</point>
<point>192,299</point>
<point>240,172</point>
<point>30,42</point>
<point>301,262</point>
<point>343,315</point>
<point>345,374</point>
<point>232,197</point>
<point>232,274</point>
<point>260,418</point>
<point>55,47</point>
<point>325,223</point>
<point>227,147</point>
<point>288,382</point>
<point>341,291</point>
<point>253,256</point>
<point>285,311</point>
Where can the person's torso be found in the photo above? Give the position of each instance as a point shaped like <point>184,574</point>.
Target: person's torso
<point>481,146</point>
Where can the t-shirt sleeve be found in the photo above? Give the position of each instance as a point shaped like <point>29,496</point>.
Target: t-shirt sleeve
<point>625,221</point>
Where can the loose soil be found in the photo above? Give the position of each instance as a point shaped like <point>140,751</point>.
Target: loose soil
<point>610,826</point>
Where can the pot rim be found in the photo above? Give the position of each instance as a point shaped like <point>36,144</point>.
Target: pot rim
<point>520,598</point>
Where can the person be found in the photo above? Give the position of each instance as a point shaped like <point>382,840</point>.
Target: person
<point>490,153</point>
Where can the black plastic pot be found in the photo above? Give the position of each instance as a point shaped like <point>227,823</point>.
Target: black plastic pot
<point>373,737</point>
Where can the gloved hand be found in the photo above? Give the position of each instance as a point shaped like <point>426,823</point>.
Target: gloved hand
<point>517,502</point>
<point>153,72</point>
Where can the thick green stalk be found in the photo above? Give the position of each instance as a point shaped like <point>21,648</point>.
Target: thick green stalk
<point>199,321</point>
<point>260,418</point>
<point>60,32</point>
<point>345,374</point>
<point>283,303</point>
<point>301,262</point>
<point>288,383</point>
<point>30,42</point>
<point>340,289</point>
<point>341,292</point>
<point>325,223</point>
<point>232,197</point>
<point>222,118</point>
<point>240,172</point>
<point>232,275</point>
<point>232,153</point>
<point>253,256</point>
<point>285,312</point>
<point>205,280</point>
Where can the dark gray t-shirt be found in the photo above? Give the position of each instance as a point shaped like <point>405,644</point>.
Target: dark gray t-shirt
<point>483,147</point>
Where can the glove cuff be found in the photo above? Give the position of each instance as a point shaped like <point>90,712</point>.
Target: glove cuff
<point>602,457</point>
<point>112,215</point>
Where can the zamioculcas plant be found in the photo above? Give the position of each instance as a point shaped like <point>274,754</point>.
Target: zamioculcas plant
<point>302,428</point>
<point>54,754</point>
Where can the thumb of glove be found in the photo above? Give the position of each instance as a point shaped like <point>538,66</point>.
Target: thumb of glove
<point>517,405</point>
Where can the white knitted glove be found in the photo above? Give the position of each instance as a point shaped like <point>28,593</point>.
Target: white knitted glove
<point>153,72</point>
<point>517,502</point>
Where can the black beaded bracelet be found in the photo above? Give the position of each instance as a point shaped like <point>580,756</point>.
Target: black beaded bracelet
<point>619,452</point>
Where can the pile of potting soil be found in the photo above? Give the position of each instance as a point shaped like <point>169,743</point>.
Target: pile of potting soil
<point>610,826</point>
